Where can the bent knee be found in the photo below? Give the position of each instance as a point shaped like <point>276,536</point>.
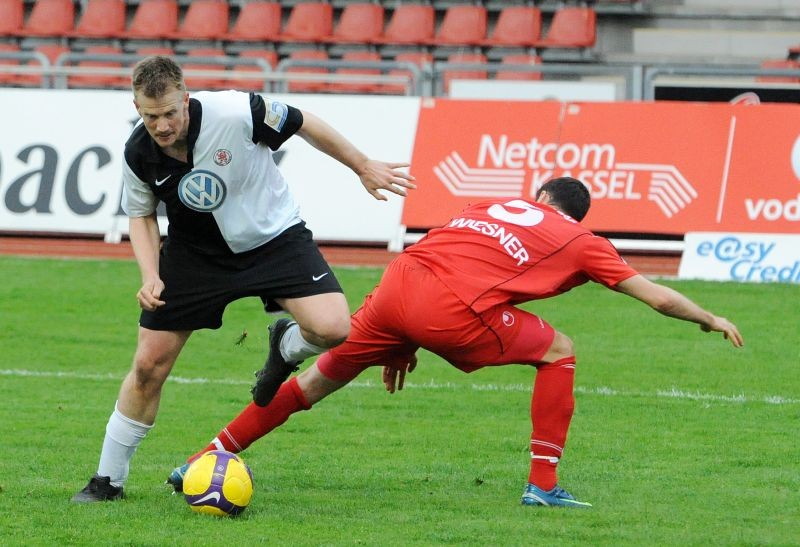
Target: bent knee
<point>150,371</point>
<point>561,347</point>
<point>330,332</point>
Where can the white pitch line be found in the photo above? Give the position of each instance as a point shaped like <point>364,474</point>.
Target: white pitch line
<point>671,393</point>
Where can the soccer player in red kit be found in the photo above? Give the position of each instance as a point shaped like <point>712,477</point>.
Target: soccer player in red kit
<point>454,293</point>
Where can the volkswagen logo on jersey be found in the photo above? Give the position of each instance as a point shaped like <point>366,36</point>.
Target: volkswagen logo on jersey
<point>201,191</point>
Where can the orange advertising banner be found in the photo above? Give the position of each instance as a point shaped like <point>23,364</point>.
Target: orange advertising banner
<point>661,168</point>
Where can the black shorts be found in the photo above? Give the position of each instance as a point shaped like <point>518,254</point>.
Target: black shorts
<point>198,287</point>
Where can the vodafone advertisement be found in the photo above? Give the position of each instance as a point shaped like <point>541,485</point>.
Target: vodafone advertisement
<point>660,168</point>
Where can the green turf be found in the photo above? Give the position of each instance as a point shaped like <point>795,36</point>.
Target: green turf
<point>677,438</point>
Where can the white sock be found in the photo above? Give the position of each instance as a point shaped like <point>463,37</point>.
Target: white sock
<point>123,436</point>
<point>296,348</point>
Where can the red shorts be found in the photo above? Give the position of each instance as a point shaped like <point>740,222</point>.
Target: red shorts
<point>412,308</point>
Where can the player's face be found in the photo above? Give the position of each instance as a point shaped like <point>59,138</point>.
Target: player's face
<point>166,118</point>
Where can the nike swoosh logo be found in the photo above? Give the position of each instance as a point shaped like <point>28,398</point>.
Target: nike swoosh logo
<point>318,277</point>
<point>162,181</point>
<point>212,496</point>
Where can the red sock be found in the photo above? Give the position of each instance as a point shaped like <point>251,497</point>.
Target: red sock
<point>255,421</point>
<point>552,405</point>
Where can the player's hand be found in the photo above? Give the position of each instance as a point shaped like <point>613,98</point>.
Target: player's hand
<point>395,378</point>
<point>379,175</point>
<point>149,296</point>
<point>728,330</point>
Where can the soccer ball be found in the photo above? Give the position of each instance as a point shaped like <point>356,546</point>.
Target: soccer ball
<point>218,483</point>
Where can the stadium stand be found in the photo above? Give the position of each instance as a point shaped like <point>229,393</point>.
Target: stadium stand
<point>251,84</point>
<point>422,59</point>
<point>516,26</point>
<point>410,24</point>
<point>463,74</point>
<point>52,52</point>
<point>780,63</point>
<point>308,22</point>
<point>357,87</point>
<point>359,24</point>
<point>204,20</point>
<point>256,22</point>
<point>525,60</point>
<point>571,27</point>
<point>198,83</point>
<point>12,17</point>
<point>8,78</point>
<point>101,19</point>
<point>99,81</point>
<point>634,32</point>
<point>54,18</point>
<point>307,55</point>
<point>146,51</point>
<point>153,20</point>
<point>462,25</point>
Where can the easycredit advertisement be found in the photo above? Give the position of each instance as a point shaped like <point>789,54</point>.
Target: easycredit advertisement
<point>756,258</point>
<point>660,168</point>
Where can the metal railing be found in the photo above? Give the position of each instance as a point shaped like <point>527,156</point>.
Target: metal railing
<point>638,80</point>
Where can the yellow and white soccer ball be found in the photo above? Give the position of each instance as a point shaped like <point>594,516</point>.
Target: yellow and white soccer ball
<point>218,483</point>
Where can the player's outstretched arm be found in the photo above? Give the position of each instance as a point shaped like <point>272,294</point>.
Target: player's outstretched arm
<point>375,175</point>
<point>673,304</point>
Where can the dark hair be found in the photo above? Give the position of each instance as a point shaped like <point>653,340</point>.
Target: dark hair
<point>570,195</point>
<point>154,76</point>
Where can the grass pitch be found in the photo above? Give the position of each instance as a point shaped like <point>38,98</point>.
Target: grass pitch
<point>678,438</point>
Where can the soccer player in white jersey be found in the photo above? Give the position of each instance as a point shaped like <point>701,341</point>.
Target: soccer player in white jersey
<point>234,231</point>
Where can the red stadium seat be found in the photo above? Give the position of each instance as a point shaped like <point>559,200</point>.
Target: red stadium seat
<point>307,87</point>
<point>462,25</point>
<point>201,83</point>
<point>257,21</point>
<point>309,22</point>
<point>357,87</point>
<point>420,58</point>
<point>50,18</point>
<point>519,75</point>
<point>204,20</point>
<point>248,84</point>
<point>12,17</point>
<point>52,52</point>
<point>101,19</point>
<point>571,27</point>
<point>780,63</point>
<point>410,24</point>
<point>99,81</point>
<point>468,74</point>
<point>517,26</point>
<point>154,19</point>
<point>359,23</point>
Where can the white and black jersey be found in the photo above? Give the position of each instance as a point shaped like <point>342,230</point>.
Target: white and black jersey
<point>230,196</point>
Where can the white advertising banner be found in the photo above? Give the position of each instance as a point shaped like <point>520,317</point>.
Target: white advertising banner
<point>758,258</point>
<point>61,162</point>
<point>60,159</point>
<point>332,200</point>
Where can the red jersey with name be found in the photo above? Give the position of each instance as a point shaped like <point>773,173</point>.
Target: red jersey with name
<point>513,251</point>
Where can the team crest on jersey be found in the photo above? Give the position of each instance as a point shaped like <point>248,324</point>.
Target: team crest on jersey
<point>508,318</point>
<point>222,157</point>
<point>202,191</point>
